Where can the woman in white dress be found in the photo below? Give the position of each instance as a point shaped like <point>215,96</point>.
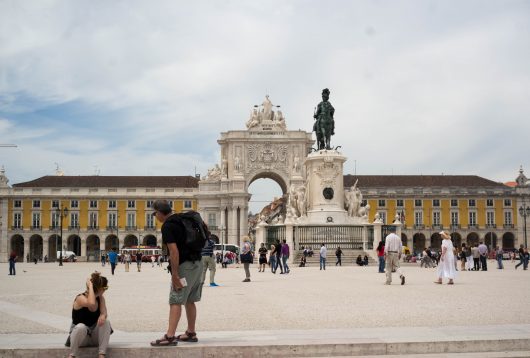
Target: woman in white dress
<point>446,267</point>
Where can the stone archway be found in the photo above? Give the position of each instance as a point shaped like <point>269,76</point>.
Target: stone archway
<point>457,239</point>
<point>149,240</point>
<point>130,240</point>
<point>265,149</point>
<point>111,242</point>
<point>418,242</point>
<point>36,248</point>
<point>92,248</point>
<point>74,244</point>
<point>17,246</point>
<point>490,239</point>
<point>508,241</point>
<point>436,241</point>
<point>472,239</point>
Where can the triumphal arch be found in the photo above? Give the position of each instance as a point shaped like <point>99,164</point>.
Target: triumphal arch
<point>265,149</point>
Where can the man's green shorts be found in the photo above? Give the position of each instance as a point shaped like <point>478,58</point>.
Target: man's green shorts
<point>192,271</point>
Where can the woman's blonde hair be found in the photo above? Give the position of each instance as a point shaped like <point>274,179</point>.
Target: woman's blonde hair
<point>98,282</point>
<point>445,235</point>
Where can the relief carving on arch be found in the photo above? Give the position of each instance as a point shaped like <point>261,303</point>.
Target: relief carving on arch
<point>267,156</point>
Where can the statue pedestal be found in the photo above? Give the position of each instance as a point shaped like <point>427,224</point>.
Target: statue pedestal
<point>325,188</point>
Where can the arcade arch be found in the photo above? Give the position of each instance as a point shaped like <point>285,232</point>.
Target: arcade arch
<point>92,248</point>
<point>112,241</point>
<point>436,241</point>
<point>36,248</point>
<point>490,239</point>
<point>508,241</point>
<point>457,239</point>
<point>17,246</point>
<point>74,244</point>
<point>472,239</point>
<point>130,240</point>
<point>149,240</point>
<point>54,241</point>
<point>267,190</point>
<point>404,239</point>
<point>418,241</point>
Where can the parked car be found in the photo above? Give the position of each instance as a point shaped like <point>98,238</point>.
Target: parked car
<point>226,247</point>
<point>67,256</point>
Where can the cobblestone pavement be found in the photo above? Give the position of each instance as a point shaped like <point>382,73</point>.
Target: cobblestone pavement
<point>38,299</point>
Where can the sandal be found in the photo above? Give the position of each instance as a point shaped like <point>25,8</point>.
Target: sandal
<point>190,337</point>
<point>165,341</point>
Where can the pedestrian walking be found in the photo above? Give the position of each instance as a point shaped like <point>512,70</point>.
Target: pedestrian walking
<point>272,259</point>
<point>208,262</point>
<point>446,266</point>
<point>525,259</point>
<point>338,254</point>
<point>323,255</point>
<point>262,257</point>
<point>285,256</point>
<point>90,326</point>
<point>483,250</point>
<point>103,259</point>
<point>127,260</point>
<point>499,253</point>
<point>278,253</point>
<point>393,249</point>
<point>12,260</point>
<point>381,256</point>
<point>113,258</point>
<point>247,258</point>
<point>185,267</point>
<point>139,256</point>
<point>521,257</point>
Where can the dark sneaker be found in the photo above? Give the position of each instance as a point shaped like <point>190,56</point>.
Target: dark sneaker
<point>213,284</point>
<point>402,280</point>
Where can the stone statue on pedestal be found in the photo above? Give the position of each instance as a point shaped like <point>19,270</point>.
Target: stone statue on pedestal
<point>324,126</point>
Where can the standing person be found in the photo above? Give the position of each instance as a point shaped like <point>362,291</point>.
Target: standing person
<point>393,248</point>
<point>338,253</point>
<point>521,257</point>
<point>469,258</point>
<point>27,258</point>
<point>103,259</point>
<point>90,327</point>
<point>139,256</point>
<point>185,268</point>
<point>127,260</point>
<point>381,256</point>
<point>246,258</point>
<point>526,256</point>
<point>208,262</point>
<point>262,257</point>
<point>278,253</point>
<point>476,258</point>
<point>113,257</point>
<point>272,259</point>
<point>12,260</point>
<point>498,255</point>
<point>285,256</point>
<point>323,255</point>
<point>463,257</point>
<point>446,268</point>
<point>483,250</point>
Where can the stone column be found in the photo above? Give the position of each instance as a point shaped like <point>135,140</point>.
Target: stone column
<point>261,232</point>
<point>232,231</point>
<point>102,244</point>
<point>289,238</point>
<point>83,249</point>
<point>26,248</point>
<point>377,237</point>
<point>45,248</point>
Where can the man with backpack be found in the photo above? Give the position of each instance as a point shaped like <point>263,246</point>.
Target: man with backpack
<point>185,235</point>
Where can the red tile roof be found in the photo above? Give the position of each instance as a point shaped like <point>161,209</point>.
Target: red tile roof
<point>387,181</point>
<point>96,181</point>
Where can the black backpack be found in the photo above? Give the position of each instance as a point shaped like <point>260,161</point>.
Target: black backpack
<point>196,233</point>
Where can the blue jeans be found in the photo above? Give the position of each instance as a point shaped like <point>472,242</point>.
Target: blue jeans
<point>285,266</point>
<point>525,263</point>
<point>12,268</point>
<point>322,263</point>
<point>272,260</point>
<point>381,263</point>
<point>278,264</point>
<point>499,262</point>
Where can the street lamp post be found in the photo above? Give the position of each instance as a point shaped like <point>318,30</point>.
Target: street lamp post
<point>62,213</point>
<point>524,211</point>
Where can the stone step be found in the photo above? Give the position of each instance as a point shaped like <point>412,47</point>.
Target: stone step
<point>426,342</point>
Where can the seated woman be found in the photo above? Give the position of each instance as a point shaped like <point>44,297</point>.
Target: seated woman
<point>359,260</point>
<point>365,260</point>
<point>303,261</point>
<point>90,326</point>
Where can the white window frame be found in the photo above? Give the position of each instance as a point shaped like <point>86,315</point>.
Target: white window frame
<point>418,206</point>
<point>90,202</point>
<point>112,219</point>
<point>418,217</point>
<point>186,206</point>
<point>504,203</point>
<point>74,219</point>
<point>17,224</point>
<point>149,221</point>
<point>112,204</point>
<point>436,218</point>
<point>451,203</point>
<point>492,203</point>
<point>131,219</point>
<point>15,204</point>
<point>72,202</point>
<point>433,203</point>
<point>55,220</point>
<point>56,206</point>
<point>131,204</point>
<point>455,214</point>
<point>382,215</point>
<point>490,217</point>
<point>35,219</point>
<point>212,219</point>
<point>402,203</point>
<point>36,201</point>
<point>472,215</point>
<point>149,204</point>
<point>508,215</point>
<point>379,201</point>
<point>92,219</point>
<point>474,203</point>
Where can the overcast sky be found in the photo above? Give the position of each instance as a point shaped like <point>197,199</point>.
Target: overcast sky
<point>145,87</point>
